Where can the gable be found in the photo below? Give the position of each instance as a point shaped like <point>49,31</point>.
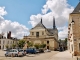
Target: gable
<point>77,9</point>
<point>39,26</point>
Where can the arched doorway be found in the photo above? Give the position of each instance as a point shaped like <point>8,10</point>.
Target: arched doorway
<point>47,47</point>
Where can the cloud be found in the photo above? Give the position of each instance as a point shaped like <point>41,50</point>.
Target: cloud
<point>63,32</point>
<point>18,30</point>
<point>60,9</point>
<point>2,13</point>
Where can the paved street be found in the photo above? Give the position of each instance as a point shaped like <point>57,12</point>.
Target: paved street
<point>62,56</point>
<point>54,55</point>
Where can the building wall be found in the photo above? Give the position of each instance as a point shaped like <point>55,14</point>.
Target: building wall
<point>52,43</point>
<point>75,38</point>
<point>5,42</point>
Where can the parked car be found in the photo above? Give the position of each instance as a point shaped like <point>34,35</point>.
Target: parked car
<point>31,50</point>
<point>23,51</point>
<point>14,52</point>
<point>4,49</point>
<point>41,50</point>
<point>47,50</point>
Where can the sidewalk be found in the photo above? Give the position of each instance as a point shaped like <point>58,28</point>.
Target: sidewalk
<point>2,53</point>
<point>63,56</point>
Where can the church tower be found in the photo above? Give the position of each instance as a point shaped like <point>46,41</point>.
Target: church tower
<point>74,31</point>
<point>54,26</point>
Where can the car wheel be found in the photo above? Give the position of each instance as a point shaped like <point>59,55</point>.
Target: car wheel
<point>6,55</point>
<point>16,55</point>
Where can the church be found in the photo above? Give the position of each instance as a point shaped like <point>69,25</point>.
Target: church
<point>42,35</point>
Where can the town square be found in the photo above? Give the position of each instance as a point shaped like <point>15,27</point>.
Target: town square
<point>40,30</point>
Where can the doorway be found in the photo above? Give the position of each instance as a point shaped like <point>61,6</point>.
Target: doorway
<point>47,47</point>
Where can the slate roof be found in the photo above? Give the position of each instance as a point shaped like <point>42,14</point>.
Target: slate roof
<point>40,25</point>
<point>51,30</point>
<point>77,9</point>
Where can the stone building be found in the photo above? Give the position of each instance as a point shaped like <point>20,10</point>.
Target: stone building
<point>74,31</point>
<point>42,35</point>
<point>7,41</point>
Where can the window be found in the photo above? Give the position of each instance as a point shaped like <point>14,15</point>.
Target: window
<point>3,46</point>
<point>32,33</point>
<point>3,42</point>
<point>47,42</point>
<point>42,33</point>
<point>27,41</point>
<point>79,46</point>
<point>37,34</point>
<point>72,47</point>
<point>13,42</point>
<point>0,41</point>
<point>8,42</point>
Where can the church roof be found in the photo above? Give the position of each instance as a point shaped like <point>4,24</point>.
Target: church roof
<point>51,30</point>
<point>40,25</point>
<point>77,9</point>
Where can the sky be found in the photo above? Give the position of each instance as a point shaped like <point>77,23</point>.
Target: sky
<point>19,16</point>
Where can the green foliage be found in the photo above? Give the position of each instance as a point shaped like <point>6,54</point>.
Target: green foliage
<point>30,44</point>
<point>40,46</point>
<point>65,41</point>
<point>7,46</point>
<point>21,43</point>
<point>43,45</point>
<point>13,45</point>
<point>37,46</point>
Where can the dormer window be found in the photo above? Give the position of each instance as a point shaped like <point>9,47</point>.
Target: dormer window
<point>32,33</point>
<point>42,33</point>
<point>37,34</point>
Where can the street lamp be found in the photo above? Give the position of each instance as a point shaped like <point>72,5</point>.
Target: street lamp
<point>72,21</point>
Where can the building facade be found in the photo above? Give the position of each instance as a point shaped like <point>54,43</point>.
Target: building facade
<point>74,31</point>
<point>7,41</point>
<point>42,35</point>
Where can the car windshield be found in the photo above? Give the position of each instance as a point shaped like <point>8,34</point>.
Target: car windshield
<point>20,50</point>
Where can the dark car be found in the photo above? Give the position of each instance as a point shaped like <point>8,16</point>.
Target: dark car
<point>41,50</point>
<point>31,50</point>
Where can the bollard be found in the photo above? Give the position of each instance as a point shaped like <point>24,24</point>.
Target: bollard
<point>12,55</point>
<point>72,55</point>
<point>77,58</point>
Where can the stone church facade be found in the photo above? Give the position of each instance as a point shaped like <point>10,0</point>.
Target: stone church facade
<point>74,31</point>
<point>42,35</point>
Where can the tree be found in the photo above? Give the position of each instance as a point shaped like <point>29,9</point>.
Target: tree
<point>37,46</point>
<point>30,44</point>
<point>13,45</point>
<point>65,41</point>
<point>42,45</point>
<point>21,43</point>
<point>7,46</point>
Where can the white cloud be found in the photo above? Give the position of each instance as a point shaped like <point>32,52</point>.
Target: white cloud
<point>60,9</point>
<point>18,30</point>
<point>63,32</point>
<point>2,11</point>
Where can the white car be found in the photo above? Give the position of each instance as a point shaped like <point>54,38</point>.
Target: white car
<point>14,52</point>
<point>47,50</point>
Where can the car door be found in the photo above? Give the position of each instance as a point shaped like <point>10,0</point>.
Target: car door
<point>10,52</point>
